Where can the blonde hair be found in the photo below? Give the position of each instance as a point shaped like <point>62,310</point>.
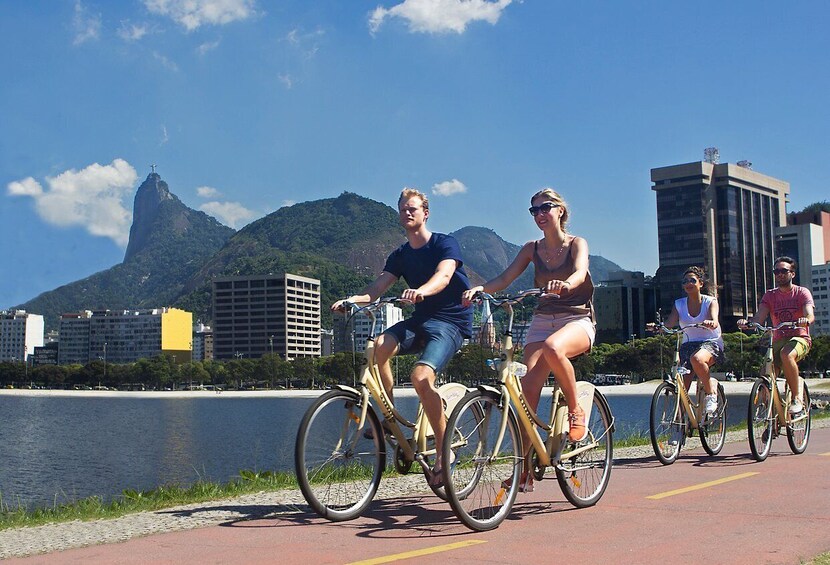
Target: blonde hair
<point>552,195</point>
<point>408,193</point>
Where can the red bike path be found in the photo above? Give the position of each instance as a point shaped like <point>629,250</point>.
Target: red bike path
<point>701,509</point>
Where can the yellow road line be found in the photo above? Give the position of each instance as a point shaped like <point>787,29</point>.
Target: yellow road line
<point>700,486</point>
<point>418,552</point>
<point>825,454</point>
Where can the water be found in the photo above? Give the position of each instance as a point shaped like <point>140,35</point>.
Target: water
<point>63,448</point>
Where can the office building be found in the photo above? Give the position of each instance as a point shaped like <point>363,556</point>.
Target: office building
<point>821,296</point>
<point>817,218</point>
<point>623,305</point>
<point>805,244</point>
<point>723,217</point>
<point>125,336</point>
<point>258,314</point>
<point>20,333</point>
<point>354,335</point>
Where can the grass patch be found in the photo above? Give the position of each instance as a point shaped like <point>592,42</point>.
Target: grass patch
<point>822,559</point>
<point>132,501</point>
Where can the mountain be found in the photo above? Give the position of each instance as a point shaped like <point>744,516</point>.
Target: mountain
<point>487,255</point>
<point>342,241</point>
<point>174,252</point>
<point>168,243</point>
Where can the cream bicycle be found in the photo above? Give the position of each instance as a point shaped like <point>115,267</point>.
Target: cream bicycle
<point>674,416</point>
<point>340,451</point>
<point>487,454</point>
<point>769,410</point>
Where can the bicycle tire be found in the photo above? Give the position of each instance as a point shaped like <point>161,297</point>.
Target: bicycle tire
<point>584,477</point>
<point>475,482</point>
<point>666,434</point>
<point>338,466</point>
<point>759,420</point>
<point>713,428</point>
<point>798,433</point>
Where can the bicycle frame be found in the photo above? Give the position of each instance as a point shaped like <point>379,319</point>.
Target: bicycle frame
<point>693,410</point>
<point>780,403</point>
<point>549,453</point>
<point>414,448</point>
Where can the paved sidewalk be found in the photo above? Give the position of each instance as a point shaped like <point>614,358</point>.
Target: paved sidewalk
<point>22,542</point>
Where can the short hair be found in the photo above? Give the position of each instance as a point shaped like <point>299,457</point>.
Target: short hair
<point>551,194</point>
<point>408,193</point>
<point>700,273</point>
<point>786,259</point>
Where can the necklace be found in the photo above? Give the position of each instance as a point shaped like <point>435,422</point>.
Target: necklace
<point>549,258</point>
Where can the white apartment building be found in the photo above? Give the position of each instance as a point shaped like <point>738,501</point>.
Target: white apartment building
<point>20,333</point>
<point>125,336</point>
<point>820,275</point>
<point>357,332</point>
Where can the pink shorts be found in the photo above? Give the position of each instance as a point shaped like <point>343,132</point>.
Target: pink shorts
<point>542,326</point>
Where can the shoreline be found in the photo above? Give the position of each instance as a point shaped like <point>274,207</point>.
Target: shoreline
<point>646,388</point>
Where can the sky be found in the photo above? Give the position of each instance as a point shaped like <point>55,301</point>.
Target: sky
<point>245,106</point>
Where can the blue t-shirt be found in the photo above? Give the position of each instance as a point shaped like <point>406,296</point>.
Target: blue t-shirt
<point>417,266</point>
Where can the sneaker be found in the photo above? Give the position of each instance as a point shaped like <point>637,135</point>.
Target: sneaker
<point>796,407</point>
<point>711,404</point>
<point>676,436</point>
<point>576,424</point>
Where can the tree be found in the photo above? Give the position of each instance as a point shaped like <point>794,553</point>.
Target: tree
<point>305,369</point>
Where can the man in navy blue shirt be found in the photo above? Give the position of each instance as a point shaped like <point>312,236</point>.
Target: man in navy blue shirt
<point>431,265</point>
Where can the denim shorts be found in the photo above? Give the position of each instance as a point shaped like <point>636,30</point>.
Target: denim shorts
<point>689,348</point>
<point>436,340</point>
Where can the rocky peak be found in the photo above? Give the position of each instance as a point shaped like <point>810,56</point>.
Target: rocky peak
<point>148,198</point>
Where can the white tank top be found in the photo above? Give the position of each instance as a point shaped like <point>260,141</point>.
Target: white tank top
<point>686,319</point>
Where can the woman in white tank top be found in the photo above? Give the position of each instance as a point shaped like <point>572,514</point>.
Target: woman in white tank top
<point>701,347</point>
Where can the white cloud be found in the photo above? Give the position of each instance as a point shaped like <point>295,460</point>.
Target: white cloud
<point>287,203</point>
<point>131,32</point>
<point>165,62</point>
<point>440,16</point>
<point>164,137</point>
<point>92,198</point>
<point>449,187</point>
<point>25,187</point>
<point>193,14</point>
<point>206,47</point>
<point>87,26</point>
<point>287,80</point>
<point>208,192</point>
<point>231,214</point>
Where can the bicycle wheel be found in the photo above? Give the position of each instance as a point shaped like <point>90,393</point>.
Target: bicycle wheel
<point>759,420</point>
<point>475,482</point>
<point>713,428</point>
<point>583,478</point>
<point>665,425</point>
<point>339,466</point>
<point>798,431</point>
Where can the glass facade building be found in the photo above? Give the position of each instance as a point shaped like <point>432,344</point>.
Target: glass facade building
<point>722,217</point>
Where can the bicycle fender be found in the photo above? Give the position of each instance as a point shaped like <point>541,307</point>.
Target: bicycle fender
<point>346,388</point>
<point>490,389</point>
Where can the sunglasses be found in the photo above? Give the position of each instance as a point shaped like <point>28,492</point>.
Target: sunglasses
<point>689,281</point>
<point>544,208</point>
<point>781,271</point>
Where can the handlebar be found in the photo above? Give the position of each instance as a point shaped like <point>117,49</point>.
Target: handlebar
<point>511,299</point>
<point>371,307</point>
<point>672,331</point>
<point>781,326</point>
